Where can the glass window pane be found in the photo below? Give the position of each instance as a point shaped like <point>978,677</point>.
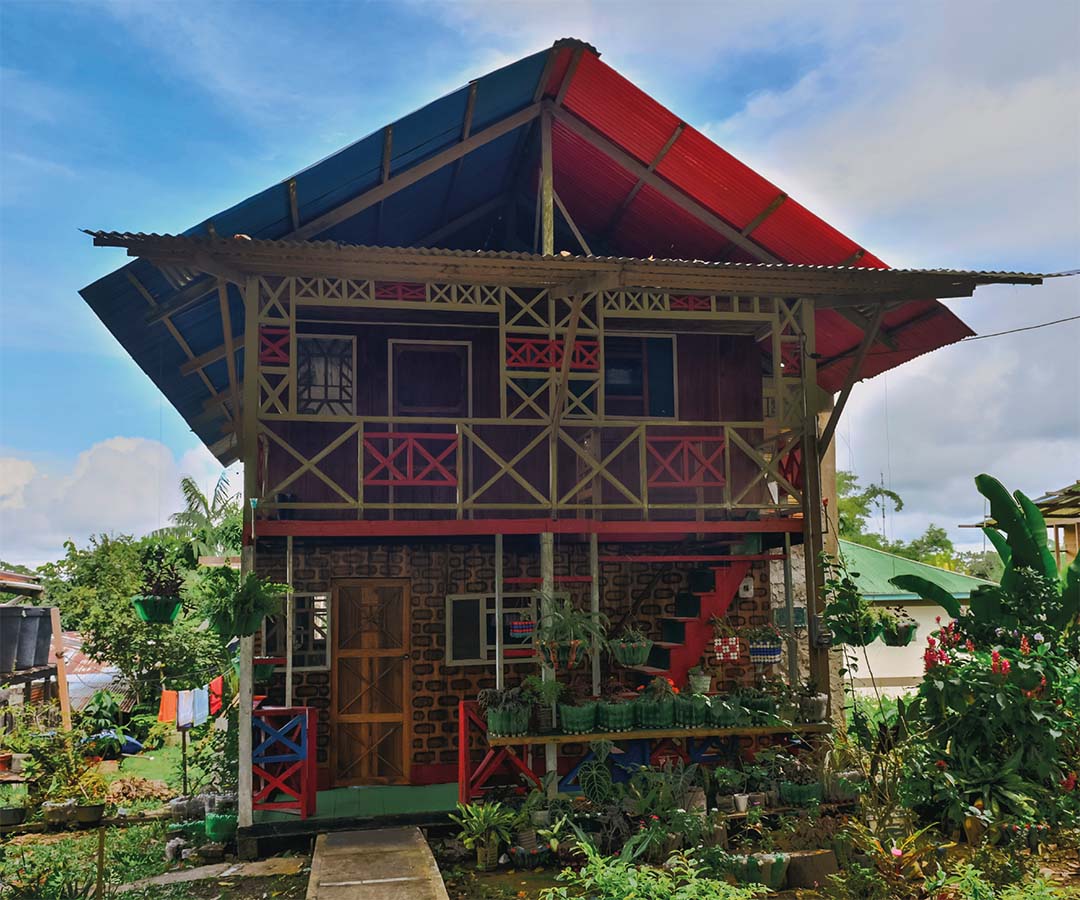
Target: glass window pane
<point>465,641</point>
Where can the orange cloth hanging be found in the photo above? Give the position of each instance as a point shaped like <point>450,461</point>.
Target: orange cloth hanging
<point>167,711</point>
<point>217,687</point>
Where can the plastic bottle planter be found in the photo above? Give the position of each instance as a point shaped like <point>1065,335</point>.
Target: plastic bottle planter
<point>899,637</point>
<point>578,719</point>
<point>631,653</point>
<point>813,708</point>
<point>561,656</point>
<point>487,856</point>
<point>615,716</point>
<point>727,649</point>
<point>691,711</point>
<point>793,794</point>
<point>156,610</point>
<point>723,713</point>
<point>522,628</point>
<point>766,653</point>
<point>655,713</point>
<point>510,722</point>
<point>221,827</point>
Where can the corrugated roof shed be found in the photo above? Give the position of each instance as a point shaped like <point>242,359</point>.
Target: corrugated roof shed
<point>872,568</point>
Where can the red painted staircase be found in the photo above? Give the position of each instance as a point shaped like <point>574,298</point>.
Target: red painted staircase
<point>686,635</point>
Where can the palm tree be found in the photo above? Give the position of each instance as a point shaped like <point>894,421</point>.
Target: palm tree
<point>205,521</point>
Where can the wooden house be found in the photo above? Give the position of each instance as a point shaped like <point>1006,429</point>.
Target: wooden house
<point>538,337</point>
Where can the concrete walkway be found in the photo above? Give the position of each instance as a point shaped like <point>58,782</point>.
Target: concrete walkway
<point>384,864</point>
<point>278,865</point>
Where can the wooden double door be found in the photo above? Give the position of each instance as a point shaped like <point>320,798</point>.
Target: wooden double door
<point>371,710</point>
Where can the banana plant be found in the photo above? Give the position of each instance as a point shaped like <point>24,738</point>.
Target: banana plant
<point>1019,536</point>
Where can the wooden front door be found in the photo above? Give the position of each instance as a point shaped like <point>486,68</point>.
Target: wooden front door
<point>371,712</point>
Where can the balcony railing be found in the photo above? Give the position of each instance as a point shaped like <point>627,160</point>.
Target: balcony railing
<point>378,468</point>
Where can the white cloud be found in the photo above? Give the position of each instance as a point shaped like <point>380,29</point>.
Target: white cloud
<point>118,486</point>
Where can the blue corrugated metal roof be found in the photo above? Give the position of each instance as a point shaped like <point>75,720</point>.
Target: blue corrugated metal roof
<point>405,218</point>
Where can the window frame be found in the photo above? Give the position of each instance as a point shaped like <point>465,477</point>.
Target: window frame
<point>488,610</point>
<point>283,620</point>
<point>351,338</point>
<point>393,345</point>
<point>643,336</point>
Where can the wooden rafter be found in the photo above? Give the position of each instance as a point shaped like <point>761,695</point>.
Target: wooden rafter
<point>756,222</point>
<point>466,130</point>
<point>640,183</point>
<point>665,188</point>
<point>849,381</point>
<point>294,206</point>
<point>384,176</point>
<point>573,227</point>
<point>571,70</point>
<point>862,321</point>
<point>887,336</point>
<point>462,221</point>
<point>547,187</point>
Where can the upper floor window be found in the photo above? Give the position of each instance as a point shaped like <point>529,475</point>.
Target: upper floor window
<point>430,379</point>
<point>639,376</point>
<point>325,375</point>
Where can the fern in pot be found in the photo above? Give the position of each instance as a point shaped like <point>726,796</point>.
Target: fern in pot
<point>546,696</point>
<point>161,573</point>
<point>236,604</point>
<point>631,647</point>
<point>485,827</point>
<point>568,635</point>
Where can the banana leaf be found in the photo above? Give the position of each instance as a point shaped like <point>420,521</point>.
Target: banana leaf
<point>1037,526</point>
<point>1010,519</point>
<point>933,593</point>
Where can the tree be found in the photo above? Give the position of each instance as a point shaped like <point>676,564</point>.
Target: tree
<point>854,506</point>
<point>93,587</point>
<point>211,525</point>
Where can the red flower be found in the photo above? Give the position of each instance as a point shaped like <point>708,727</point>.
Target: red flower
<point>970,645</point>
<point>1025,647</point>
<point>941,764</point>
<point>1068,783</point>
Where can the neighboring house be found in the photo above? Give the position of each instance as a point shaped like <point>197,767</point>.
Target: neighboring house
<point>540,334</point>
<point>1061,509</point>
<point>898,670</point>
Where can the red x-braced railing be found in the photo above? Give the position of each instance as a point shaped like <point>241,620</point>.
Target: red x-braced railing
<point>400,290</point>
<point>473,779</point>
<point>791,467</point>
<point>283,759</point>
<point>685,461</point>
<point>407,458</point>
<point>690,302</point>
<point>544,353</point>
<point>273,345</point>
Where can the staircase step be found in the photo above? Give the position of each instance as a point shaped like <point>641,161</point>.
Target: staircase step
<point>648,670</point>
<point>660,658</point>
<point>667,645</point>
<point>680,618</point>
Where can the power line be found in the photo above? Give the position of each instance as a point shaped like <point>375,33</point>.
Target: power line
<point>982,337</point>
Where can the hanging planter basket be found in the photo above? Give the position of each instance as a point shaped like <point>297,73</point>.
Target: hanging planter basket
<point>237,626</point>
<point>727,649</point>
<point>522,628</point>
<point>156,610</point>
<point>631,653</point>
<point>899,637</point>
<point>560,656</point>
<point>263,668</point>
<point>856,636</point>
<point>766,653</point>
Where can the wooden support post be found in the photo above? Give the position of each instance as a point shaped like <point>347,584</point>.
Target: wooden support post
<point>250,430</point>
<point>869,336</point>
<point>500,674</point>
<point>594,604</point>
<point>547,187</point>
<point>290,620</point>
<point>812,537</point>
<point>61,669</point>
<point>789,604</point>
<point>547,589</point>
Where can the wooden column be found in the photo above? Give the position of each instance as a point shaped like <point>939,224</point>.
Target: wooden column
<point>547,590</point>
<point>789,605</point>
<point>249,445</point>
<point>500,674</point>
<point>594,604</point>
<point>547,188</point>
<point>61,669</point>
<point>290,620</point>
<point>812,537</point>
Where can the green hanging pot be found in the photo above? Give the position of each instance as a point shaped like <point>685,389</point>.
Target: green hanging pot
<point>631,653</point>
<point>156,610</point>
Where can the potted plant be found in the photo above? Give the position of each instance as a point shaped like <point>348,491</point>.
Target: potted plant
<point>699,680</point>
<point>236,604</point>
<point>631,647</point>
<point>723,712</point>
<point>785,698</point>
<point>91,792</point>
<point>813,704</point>
<point>726,643</point>
<point>12,805</point>
<point>161,576</point>
<point>691,710</point>
<point>545,696</point>
<point>656,704</point>
<point>897,627</point>
<point>848,614</point>
<point>759,781</point>
<point>567,635</point>
<point>727,783</point>
<point>485,827</point>
<point>615,714</point>
<point>578,716</point>
<point>765,643</point>
<point>507,711</point>
<point>761,705</point>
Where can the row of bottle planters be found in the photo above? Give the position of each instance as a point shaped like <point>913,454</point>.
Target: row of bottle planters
<point>25,637</point>
<point>682,711</point>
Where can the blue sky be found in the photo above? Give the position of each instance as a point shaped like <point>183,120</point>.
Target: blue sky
<point>935,134</point>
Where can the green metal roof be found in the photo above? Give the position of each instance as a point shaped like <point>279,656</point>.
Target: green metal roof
<point>872,569</point>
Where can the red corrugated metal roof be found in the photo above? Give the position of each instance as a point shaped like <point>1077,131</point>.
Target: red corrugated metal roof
<point>593,186</point>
